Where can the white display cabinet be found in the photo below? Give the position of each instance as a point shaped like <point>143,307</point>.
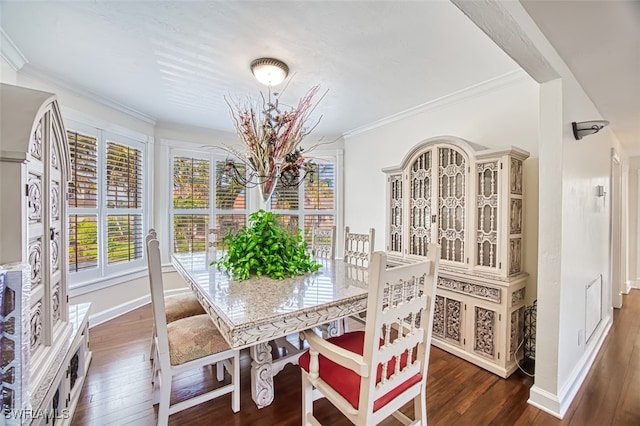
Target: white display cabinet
<point>45,339</point>
<point>468,199</point>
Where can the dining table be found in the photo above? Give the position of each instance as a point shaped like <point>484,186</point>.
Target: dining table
<point>260,312</point>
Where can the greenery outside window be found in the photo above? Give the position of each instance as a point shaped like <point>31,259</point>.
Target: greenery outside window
<point>312,203</point>
<point>203,198</point>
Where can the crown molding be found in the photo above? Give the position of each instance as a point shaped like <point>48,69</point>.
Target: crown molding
<point>32,71</point>
<point>466,93</point>
<point>10,52</point>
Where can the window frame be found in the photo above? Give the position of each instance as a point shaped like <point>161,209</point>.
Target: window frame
<point>163,223</point>
<point>105,272</point>
<point>302,212</point>
<point>213,156</point>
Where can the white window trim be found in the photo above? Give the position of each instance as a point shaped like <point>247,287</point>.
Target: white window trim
<point>106,275</point>
<point>161,221</point>
<point>334,156</point>
<point>171,149</point>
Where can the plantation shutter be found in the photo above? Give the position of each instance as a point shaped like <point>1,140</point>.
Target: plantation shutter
<point>83,202</point>
<point>319,198</point>
<point>231,202</point>
<point>191,203</point>
<point>319,187</point>
<point>124,203</point>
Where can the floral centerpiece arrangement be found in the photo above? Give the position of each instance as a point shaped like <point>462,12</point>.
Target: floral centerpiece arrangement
<point>271,135</point>
<point>265,248</point>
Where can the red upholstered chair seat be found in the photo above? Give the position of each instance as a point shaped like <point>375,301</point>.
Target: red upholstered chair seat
<point>346,382</point>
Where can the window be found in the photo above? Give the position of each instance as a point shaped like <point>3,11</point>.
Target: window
<point>83,202</point>
<point>124,203</point>
<point>203,198</point>
<point>312,203</point>
<point>107,209</point>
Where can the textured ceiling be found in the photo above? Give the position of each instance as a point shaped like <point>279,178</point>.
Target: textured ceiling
<point>175,61</point>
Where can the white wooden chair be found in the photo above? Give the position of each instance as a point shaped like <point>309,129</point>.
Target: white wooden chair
<point>358,248</point>
<point>186,344</point>
<point>323,242</point>
<point>368,375</point>
<point>177,306</point>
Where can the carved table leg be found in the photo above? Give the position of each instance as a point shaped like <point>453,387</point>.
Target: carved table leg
<point>261,375</point>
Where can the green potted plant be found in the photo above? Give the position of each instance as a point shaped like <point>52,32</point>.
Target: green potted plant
<point>265,248</point>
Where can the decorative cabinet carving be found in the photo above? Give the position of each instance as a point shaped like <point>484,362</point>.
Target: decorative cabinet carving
<point>468,199</point>
<point>34,170</point>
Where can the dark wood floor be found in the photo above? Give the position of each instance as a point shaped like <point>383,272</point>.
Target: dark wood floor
<point>118,390</point>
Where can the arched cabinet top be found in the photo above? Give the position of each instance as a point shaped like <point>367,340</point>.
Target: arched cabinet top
<point>472,150</point>
<point>21,108</point>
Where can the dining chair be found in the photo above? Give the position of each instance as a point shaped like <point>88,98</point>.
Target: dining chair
<point>186,344</point>
<point>368,375</point>
<point>358,248</point>
<point>177,306</point>
<point>323,242</point>
<point>214,238</point>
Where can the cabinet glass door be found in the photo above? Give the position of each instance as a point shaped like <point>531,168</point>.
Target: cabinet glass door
<point>420,178</point>
<point>487,214</point>
<point>452,167</point>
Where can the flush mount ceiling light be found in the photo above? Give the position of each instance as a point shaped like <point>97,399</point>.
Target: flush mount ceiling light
<point>269,71</point>
<point>586,128</point>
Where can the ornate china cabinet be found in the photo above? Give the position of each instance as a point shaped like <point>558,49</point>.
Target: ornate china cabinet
<point>45,346</point>
<point>468,199</point>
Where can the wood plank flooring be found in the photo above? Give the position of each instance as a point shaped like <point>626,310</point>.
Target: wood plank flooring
<point>118,390</point>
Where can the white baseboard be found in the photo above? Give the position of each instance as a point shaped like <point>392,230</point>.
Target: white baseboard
<point>628,286</point>
<point>111,313</point>
<point>557,405</point>
<point>635,283</point>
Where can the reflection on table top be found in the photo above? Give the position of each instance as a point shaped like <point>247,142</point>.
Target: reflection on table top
<point>260,309</point>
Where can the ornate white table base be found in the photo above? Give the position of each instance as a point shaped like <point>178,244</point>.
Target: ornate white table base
<point>263,368</point>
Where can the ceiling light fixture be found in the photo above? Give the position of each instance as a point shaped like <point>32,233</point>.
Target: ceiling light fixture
<point>586,128</point>
<point>269,71</point>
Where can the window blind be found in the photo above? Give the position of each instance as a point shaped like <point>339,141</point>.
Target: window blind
<point>83,187</point>
<point>230,195</point>
<point>190,183</point>
<point>124,238</point>
<point>319,187</point>
<point>190,232</point>
<point>83,242</point>
<point>124,176</point>
<point>83,196</point>
<point>123,198</point>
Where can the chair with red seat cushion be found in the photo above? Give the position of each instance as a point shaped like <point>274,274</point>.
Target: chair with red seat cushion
<point>369,375</point>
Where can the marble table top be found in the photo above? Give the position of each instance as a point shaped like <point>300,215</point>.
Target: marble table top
<point>261,309</point>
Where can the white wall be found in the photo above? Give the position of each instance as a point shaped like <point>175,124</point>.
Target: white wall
<point>585,227</point>
<point>574,224</point>
<point>634,221</point>
<point>82,106</point>
<point>503,116</point>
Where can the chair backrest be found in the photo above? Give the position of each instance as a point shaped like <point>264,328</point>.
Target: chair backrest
<point>358,248</point>
<point>156,287</point>
<point>151,235</point>
<point>323,242</point>
<point>214,238</point>
<point>399,321</point>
